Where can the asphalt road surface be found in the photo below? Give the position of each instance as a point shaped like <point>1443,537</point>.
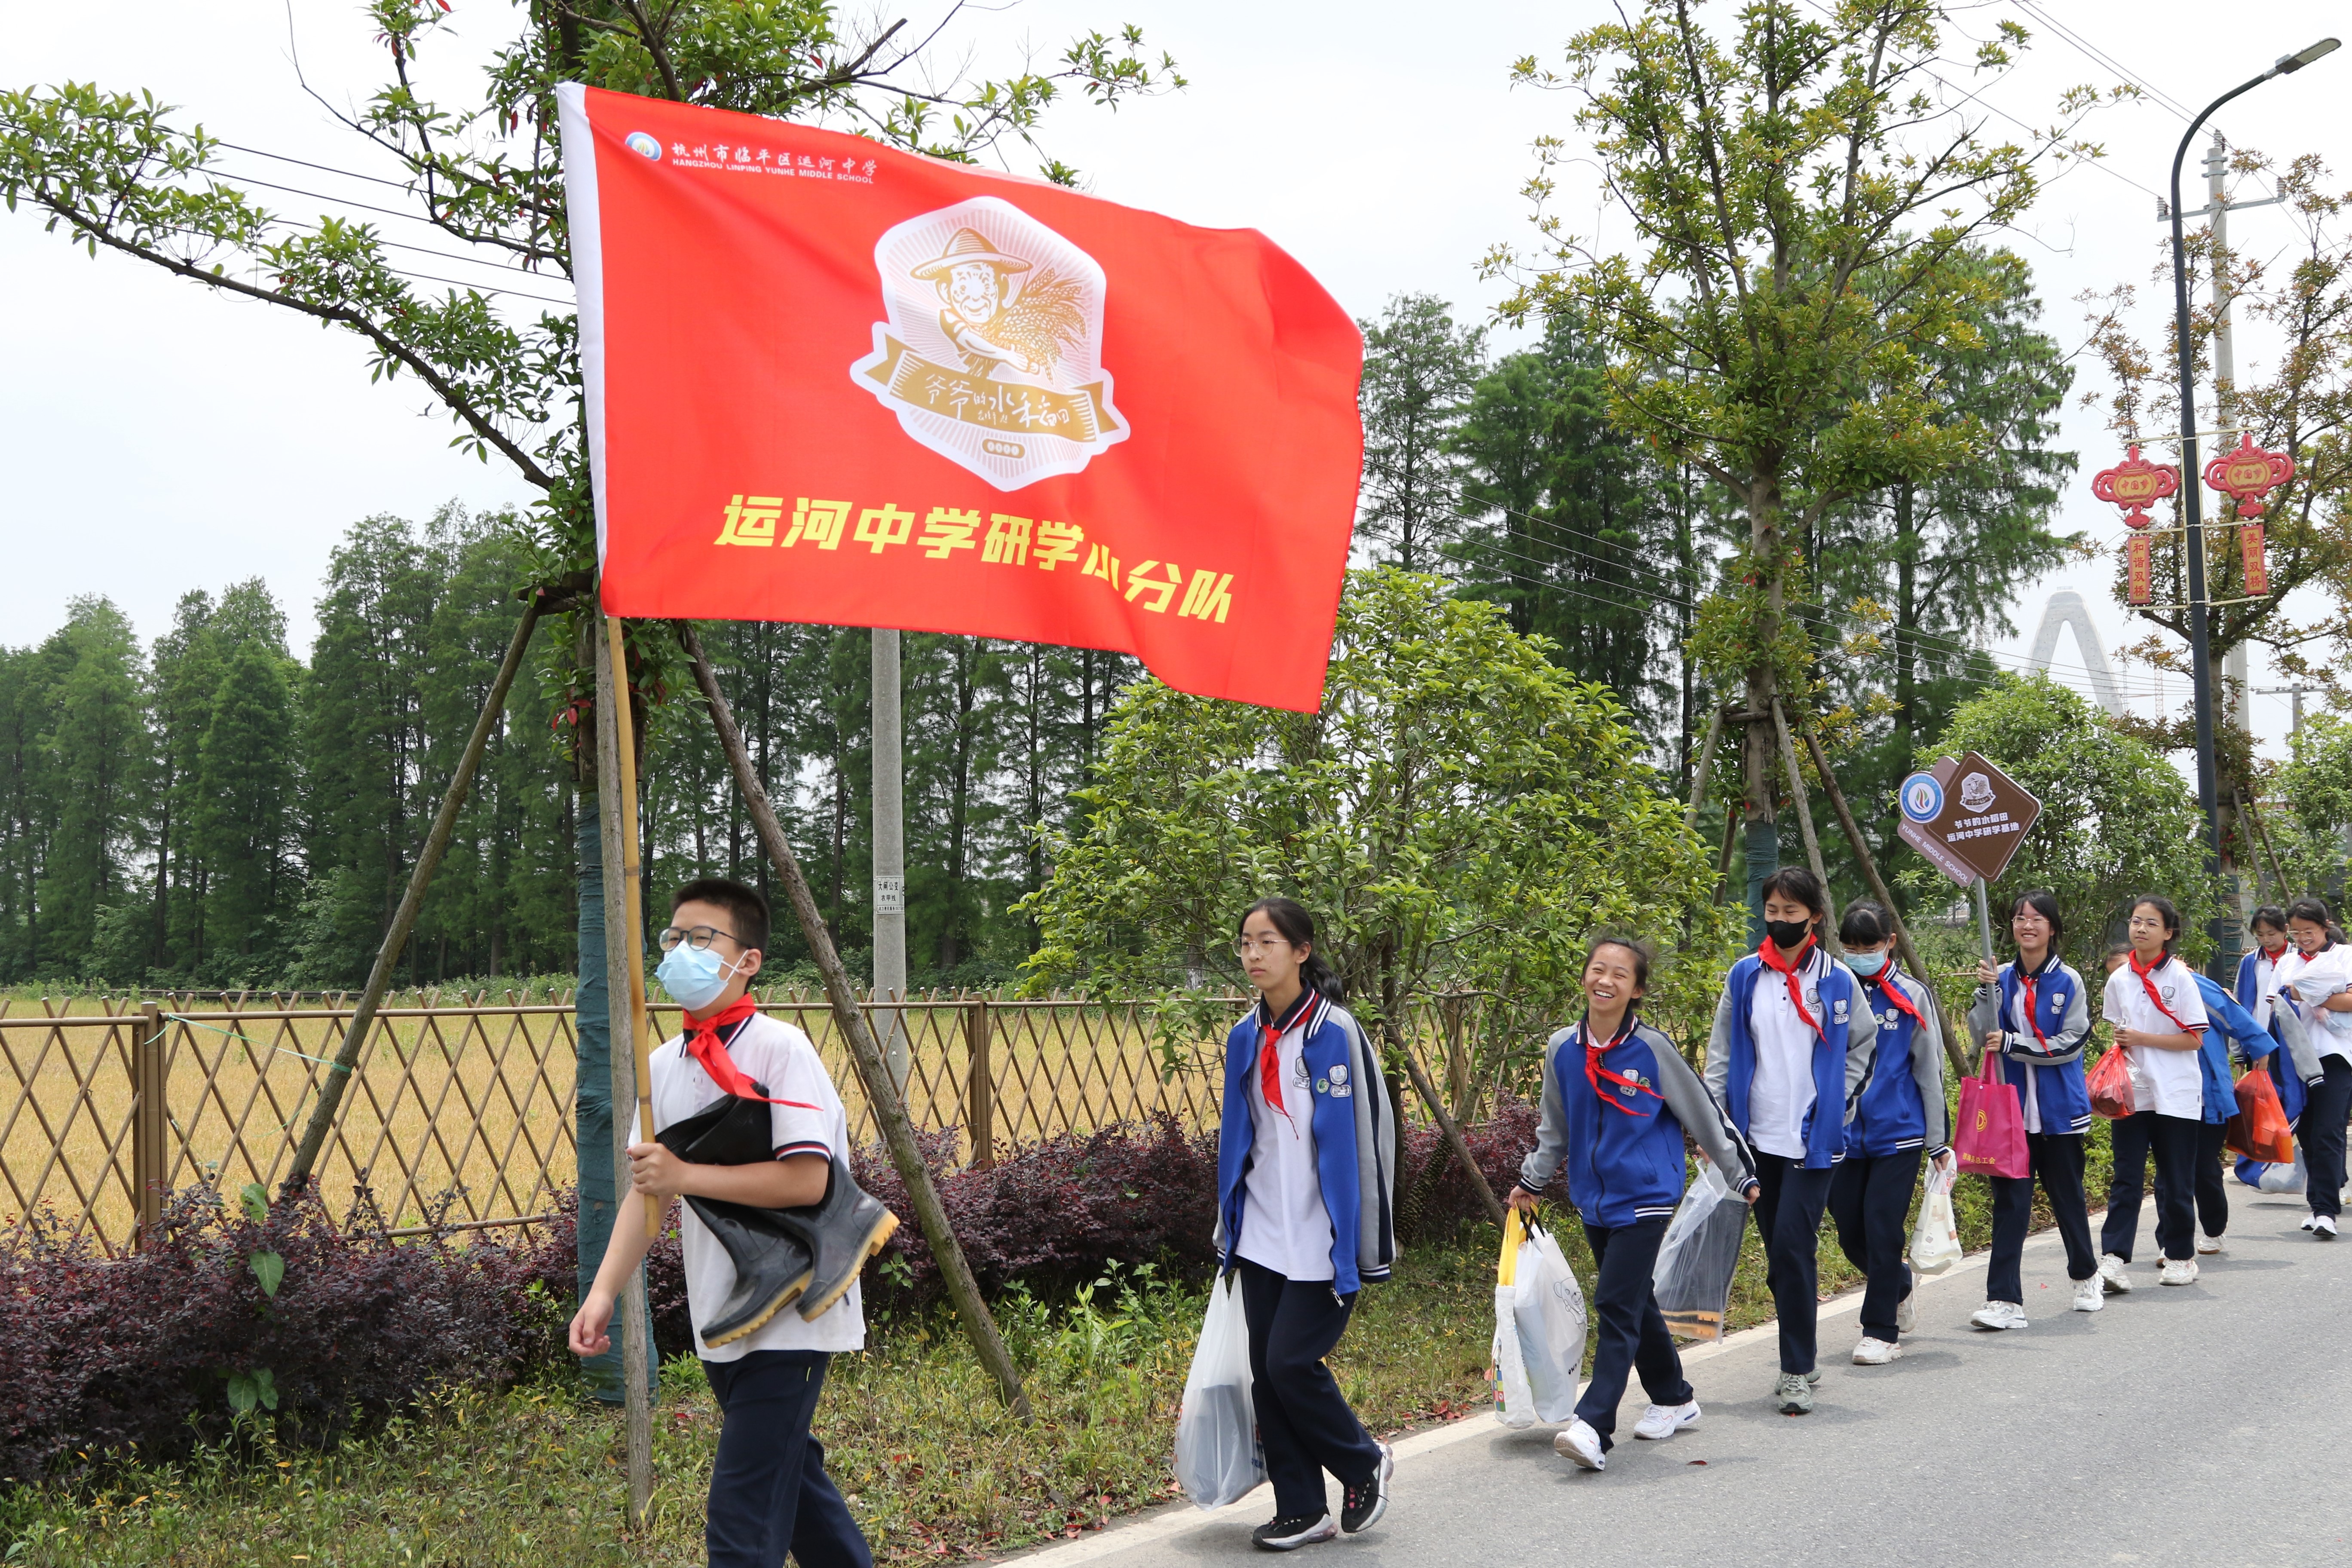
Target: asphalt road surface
<point>2207,1424</point>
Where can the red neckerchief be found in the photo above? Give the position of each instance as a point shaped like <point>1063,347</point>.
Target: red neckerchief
<point>2149,986</point>
<point>1787,972</point>
<point>1269,1059</point>
<point>1884,980</point>
<point>1594,1072</point>
<point>2032,1014</point>
<point>703,1044</point>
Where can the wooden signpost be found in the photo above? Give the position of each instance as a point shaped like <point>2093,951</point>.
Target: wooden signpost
<point>1968,818</point>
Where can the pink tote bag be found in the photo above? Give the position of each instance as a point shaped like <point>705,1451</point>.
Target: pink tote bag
<point>1990,1138</point>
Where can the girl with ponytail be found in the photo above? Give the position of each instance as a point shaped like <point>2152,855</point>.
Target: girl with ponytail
<point>1306,1163</point>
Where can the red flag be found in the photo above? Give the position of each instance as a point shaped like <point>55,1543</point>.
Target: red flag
<point>830,381</point>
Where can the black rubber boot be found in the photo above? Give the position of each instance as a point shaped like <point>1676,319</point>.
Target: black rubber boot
<point>771,1266</point>
<point>849,1226</point>
<point>771,1260</point>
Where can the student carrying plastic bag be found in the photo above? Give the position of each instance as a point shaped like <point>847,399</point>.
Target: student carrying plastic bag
<point>1698,1257</point>
<point>1217,1456</point>
<point>1539,1328</point>
<point>1935,1241</point>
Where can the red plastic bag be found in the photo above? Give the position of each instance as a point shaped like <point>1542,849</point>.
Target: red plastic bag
<point>1991,1137</point>
<point>2259,1130</point>
<point>2110,1086</point>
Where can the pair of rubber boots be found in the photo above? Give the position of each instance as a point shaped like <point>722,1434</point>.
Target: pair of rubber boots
<point>810,1255</point>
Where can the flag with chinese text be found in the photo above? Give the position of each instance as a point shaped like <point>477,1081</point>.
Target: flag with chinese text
<point>831,382</point>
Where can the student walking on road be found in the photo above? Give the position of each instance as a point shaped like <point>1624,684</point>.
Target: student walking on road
<point>2293,1069</point>
<point>1900,1116</point>
<point>2230,1027</point>
<point>1617,1100</point>
<point>1305,1162</point>
<point>2319,973</point>
<point>2032,1011</point>
<point>2159,1023</point>
<point>1791,1047</point>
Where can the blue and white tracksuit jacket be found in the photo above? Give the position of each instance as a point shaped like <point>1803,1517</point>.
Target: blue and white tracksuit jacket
<point>1902,1105</point>
<point>1843,1049</point>
<point>1355,1139</point>
<point>1626,1164</point>
<point>2043,1064</point>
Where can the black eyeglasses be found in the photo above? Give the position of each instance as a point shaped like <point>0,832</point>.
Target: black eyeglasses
<point>694,937</point>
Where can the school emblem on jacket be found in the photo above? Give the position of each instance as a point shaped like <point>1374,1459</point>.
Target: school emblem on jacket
<point>1838,1011</point>
<point>1341,1087</point>
<point>992,355</point>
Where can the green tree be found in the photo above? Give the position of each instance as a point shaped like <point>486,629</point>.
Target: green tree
<point>1419,367</point>
<point>1579,535</point>
<point>243,826</point>
<point>1806,214</point>
<point>2309,835</point>
<point>2116,818</point>
<point>98,765</point>
<point>1462,814</point>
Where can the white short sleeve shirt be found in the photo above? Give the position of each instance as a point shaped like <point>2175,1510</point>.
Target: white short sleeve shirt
<point>775,1054</point>
<point>2169,1083</point>
<point>2316,977</point>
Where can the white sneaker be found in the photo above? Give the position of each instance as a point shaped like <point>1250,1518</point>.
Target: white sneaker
<point>1875,1353</point>
<point>1660,1421</point>
<point>2179,1271</point>
<point>2209,1245</point>
<point>2310,1221</point>
<point>2089,1295</point>
<point>2112,1277</point>
<point>2323,1227</point>
<point>1580,1442</point>
<point>1999,1315</point>
<point>1906,1310</point>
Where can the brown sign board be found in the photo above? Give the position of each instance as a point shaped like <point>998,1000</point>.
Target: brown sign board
<point>1967,817</point>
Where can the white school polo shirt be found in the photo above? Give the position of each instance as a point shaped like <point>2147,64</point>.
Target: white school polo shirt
<point>2169,1083</point>
<point>1285,1226</point>
<point>779,1056</point>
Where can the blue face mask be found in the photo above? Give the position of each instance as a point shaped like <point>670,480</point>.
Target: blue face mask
<point>694,976</point>
<point>1866,963</point>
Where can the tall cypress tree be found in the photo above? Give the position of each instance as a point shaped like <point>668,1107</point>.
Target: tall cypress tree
<point>100,767</point>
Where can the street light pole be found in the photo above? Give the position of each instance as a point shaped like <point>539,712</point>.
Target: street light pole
<point>2200,662</point>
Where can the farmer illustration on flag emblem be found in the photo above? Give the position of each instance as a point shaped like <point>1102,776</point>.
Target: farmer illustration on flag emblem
<point>992,355</point>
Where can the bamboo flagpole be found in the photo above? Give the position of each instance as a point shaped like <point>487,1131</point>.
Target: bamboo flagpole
<point>616,778</point>
<point>632,896</point>
<point>872,1070</point>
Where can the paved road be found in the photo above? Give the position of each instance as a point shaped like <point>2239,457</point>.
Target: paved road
<point>2207,1424</point>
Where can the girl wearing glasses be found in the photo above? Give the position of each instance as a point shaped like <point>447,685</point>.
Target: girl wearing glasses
<point>1305,1162</point>
<point>2034,1013</point>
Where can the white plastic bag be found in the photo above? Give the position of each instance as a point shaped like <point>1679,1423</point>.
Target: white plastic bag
<point>1547,1311</point>
<point>1935,1243</point>
<point>1699,1256</point>
<point>1506,1369</point>
<point>1218,1459</point>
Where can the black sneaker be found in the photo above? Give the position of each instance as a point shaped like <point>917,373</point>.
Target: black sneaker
<point>1360,1506</point>
<point>1289,1535</point>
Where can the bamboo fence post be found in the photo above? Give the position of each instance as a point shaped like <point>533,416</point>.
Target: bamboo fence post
<point>881,1089</point>
<point>1953,1049</point>
<point>148,1167</point>
<point>980,1085</point>
<point>428,859</point>
<point>632,1078</point>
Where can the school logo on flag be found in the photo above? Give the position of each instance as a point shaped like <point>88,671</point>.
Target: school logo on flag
<point>992,355</point>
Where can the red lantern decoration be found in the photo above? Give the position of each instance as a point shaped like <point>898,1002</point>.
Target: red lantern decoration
<point>2134,484</point>
<point>2247,474</point>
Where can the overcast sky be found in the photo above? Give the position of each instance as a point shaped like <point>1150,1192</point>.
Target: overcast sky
<point>153,438</point>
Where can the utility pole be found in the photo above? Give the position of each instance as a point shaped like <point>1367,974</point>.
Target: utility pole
<point>2294,736</point>
<point>2192,512</point>
<point>889,855</point>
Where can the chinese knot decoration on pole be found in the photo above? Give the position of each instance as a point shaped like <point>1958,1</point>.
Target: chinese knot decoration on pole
<point>2247,475</point>
<point>2133,484</point>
